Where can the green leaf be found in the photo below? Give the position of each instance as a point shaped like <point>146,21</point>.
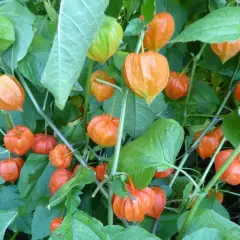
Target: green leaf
<point>147,10</point>
<point>52,14</point>
<point>7,34</point>
<point>207,234</point>
<point>34,179</point>
<point>215,4</point>
<point>167,226</point>
<point>22,19</point>
<point>113,230</point>
<point>213,63</point>
<point>119,58</point>
<point>42,218</point>
<point>74,36</point>
<point>177,9</point>
<point>132,6</point>
<point>72,201</point>
<point>114,8</point>
<point>134,27</point>
<point>80,224</point>
<point>203,98</point>
<point>4,153</point>
<point>119,187</point>
<point>156,148</point>
<point>33,64</point>
<point>83,176</point>
<point>139,115</point>
<point>133,233</point>
<point>231,129</point>
<point>10,200</point>
<point>218,26</point>
<point>6,218</point>
<point>210,219</point>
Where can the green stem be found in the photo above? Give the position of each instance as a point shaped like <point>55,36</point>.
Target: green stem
<point>195,62</point>
<point>109,84</point>
<point>203,115</point>
<point>87,92</point>
<point>2,132</point>
<point>51,124</point>
<point>209,186</point>
<point>116,155</point>
<point>14,236</point>
<point>139,44</point>
<point>232,193</point>
<point>45,100</point>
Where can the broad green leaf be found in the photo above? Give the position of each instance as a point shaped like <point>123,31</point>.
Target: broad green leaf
<point>203,98</point>
<point>6,218</point>
<point>34,179</point>
<point>132,6</point>
<point>177,9</point>
<point>156,148</point>
<point>231,129</point>
<point>84,176</point>
<point>112,230</point>
<point>45,28</point>
<point>209,218</point>
<point>73,201</point>
<point>80,225</point>
<point>4,153</point>
<point>211,62</point>
<point>10,200</point>
<point>75,33</point>
<point>42,218</point>
<point>22,19</point>
<point>139,115</point>
<point>114,8</point>
<point>167,226</point>
<point>218,26</point>
<point>119,58</point>
<point>52,14</point>
<point>148,10</point>
<point>134,27</point>
<point>7,34</point>
<point>206,234</point>
<point>33,64</point>
<point>133,233</point>
<point>119,187</point>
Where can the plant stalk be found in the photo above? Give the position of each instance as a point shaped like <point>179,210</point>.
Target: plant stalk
<point>7,119</point>
<point>56,130</point>
<point>209,186</point>
<point>87,92</point>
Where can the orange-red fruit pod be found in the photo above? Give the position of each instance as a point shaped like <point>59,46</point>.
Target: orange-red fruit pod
<point>164,174</point>
<point>160,202</point>
<point>55,223</point>
<point>237,92</point>
<point>226,50</point>
<point>146,74</point>
<point>103,130</point>
<point>232,174</point>
<point>58,179</point>
<point>101,171</point>
<point>134,209</point>
<point>19,140</point>
<point>159,32</point>
<point>12,94</point>
<point>177,86</point>
<point>60,156</point>
<point>43,143</point>
<point>10,169</point>
<point>209,143</point>
<point>218,195</point>
<point>101,91</point>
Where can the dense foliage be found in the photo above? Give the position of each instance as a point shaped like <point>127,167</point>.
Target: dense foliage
<point>119,119</point>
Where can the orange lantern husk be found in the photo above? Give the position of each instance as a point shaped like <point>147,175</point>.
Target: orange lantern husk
<point>103,130</point>
<point>12,94</point>
<point>218,195</point>
<point>177,86</point>
<point>232,174</point>
<point>61,156</point>
<point>159,31</point>
<point>19,140</point>
<point>237,92</point>
<point>58,179</point>
<point>134,209</point>
<point>164,174</point>
<point>55,223</point>
<point>159,205</point>
<point>101,171</point>
<point>146,74</point>
<point>101,91</point>
<point>226,50</point>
